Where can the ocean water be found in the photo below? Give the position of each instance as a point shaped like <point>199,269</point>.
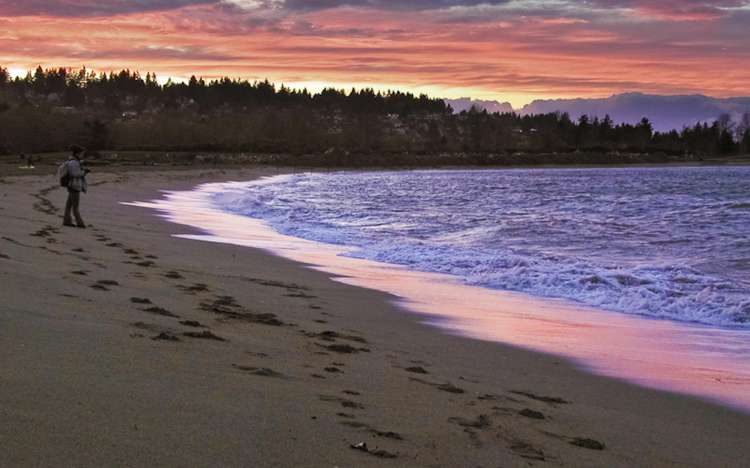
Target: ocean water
<point>670,243</point>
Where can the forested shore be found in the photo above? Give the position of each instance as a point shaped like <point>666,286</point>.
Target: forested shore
<point>126,111</point>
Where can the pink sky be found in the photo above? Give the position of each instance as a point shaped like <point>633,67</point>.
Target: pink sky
<point>506,50</point>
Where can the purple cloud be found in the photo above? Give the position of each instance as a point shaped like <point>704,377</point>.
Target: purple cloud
<point>91,8</point>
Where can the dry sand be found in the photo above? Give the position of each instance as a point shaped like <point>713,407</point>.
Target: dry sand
<point>285,367</point>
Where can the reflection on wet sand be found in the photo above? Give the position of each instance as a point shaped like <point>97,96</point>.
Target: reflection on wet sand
<point>697,360</point>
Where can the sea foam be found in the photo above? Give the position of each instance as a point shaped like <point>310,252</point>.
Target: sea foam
<point>662,242</point>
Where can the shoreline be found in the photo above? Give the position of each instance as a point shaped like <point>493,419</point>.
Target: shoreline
<point>258,397</point>
<point>602,342</point>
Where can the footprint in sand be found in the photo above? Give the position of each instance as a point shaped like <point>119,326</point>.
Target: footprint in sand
<point>203,335</point>
<point>371,430</point>
<point>531,414</point>
<point>346,403</point>
<point>140,300</point>
<point>200,287</point>
<point>165,336</point>
<point>549,400</point>
<point>446,387</point>
<point>192,323</point>
<point>343,348</point>
<point>108,283</point>
<point>160,311</point>
<point>259,371</point>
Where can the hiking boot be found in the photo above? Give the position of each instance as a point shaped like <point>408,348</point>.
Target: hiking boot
<point>81,226</point>
<point>69,224</point>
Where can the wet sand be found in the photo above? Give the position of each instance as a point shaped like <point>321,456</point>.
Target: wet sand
<point>122,345</point>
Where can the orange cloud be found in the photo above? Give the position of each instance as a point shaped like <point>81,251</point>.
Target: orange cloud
<point>486,51</point>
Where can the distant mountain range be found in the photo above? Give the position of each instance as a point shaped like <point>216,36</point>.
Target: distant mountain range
<point>464,104</point>
<point>664,112</point>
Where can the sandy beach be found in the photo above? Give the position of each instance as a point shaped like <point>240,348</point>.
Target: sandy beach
<point>122,345</point>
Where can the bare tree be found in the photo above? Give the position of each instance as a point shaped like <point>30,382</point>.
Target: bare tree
<point>725,123</point>
<point>742,126</point>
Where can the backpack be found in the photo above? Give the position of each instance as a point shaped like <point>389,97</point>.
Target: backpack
<point>62,173</point>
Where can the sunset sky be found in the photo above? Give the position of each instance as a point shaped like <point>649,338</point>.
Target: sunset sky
<point>507,50</point>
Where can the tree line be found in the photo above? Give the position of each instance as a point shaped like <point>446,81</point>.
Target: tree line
<point>48,109</point>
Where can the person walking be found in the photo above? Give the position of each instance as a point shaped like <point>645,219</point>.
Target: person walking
<point>73,176</point>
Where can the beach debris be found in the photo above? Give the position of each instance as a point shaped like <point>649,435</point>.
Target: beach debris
<point>114,244</point>
<point>79,273</point>
<point>590,444</point>
<point>145,264</point>
<point>99,287</point>
<point>166,336</point>
<point>204,335</point>
<point>78,250</point>
<point>160,311</point>
<point>2,255</point>
<point>362,447</point>
<point>140,300</point>
<point>173,275</point>
<point>192,323</point>
<point>131,251</point>
<point>351,392</point>
<point>417,370</point>
<point>259,371</point>
<point>545,399</point>
<point>530,413</point>
<point>333,370</point>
